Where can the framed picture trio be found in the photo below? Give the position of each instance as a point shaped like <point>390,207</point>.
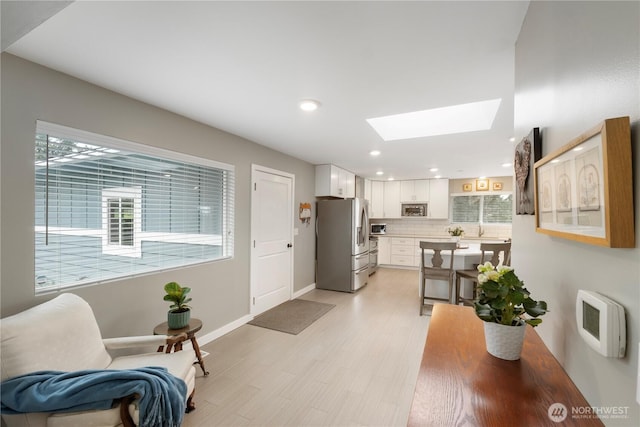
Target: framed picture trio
<point>584,191</point>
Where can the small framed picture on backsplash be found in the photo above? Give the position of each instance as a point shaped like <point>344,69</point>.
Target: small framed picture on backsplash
<point>467,187</point>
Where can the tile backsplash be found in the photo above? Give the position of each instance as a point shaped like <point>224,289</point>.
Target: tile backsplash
<point>438,228</point>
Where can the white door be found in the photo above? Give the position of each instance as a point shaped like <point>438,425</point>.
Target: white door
<point>271,238</point>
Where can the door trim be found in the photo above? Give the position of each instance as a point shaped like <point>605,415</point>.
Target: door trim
<point>258,168</point>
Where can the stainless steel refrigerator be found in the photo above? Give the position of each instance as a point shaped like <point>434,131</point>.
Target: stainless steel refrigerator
<point>342,241</point>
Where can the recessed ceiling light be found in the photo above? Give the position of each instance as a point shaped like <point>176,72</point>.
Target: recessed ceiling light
<point>438,121</point>
<point>506,165</point>
<point>577,149</point>
<point>309,105</point>
<point>390,178</point>
<point>512,139</point>
<point>374,153</point>
<point>379,173</point>
<point>433,170</point>
<point>438,176</point>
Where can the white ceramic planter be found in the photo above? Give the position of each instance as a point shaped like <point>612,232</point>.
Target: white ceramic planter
<point>504,342</point>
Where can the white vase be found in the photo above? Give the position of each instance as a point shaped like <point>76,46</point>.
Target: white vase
<point>504,342</point>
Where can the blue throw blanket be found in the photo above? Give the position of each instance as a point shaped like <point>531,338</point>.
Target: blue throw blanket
<point>162,395</point>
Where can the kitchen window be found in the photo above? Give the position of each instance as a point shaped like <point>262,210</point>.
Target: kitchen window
<point>108,209</point>
<point>482,209</point>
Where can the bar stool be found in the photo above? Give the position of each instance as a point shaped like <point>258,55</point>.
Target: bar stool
<point>496,249</point>
<point>435,271</point>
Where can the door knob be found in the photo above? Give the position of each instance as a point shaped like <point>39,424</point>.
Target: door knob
<point>289,245</point>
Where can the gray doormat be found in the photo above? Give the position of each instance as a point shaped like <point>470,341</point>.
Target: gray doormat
<point>292,316</point>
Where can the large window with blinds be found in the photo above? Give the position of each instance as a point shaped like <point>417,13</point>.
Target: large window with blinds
<point>107,208</point>
<point>484,209</point>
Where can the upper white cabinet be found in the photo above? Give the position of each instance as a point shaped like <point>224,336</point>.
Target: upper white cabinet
<point>415,190</point>
<point>438,198</point>
<point>333,181</point>
<point>386,197</point>
<point>392,199</point>
<point>376,202</point>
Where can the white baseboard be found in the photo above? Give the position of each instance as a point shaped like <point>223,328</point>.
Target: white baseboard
<point>304,290</point>
<point>207,338</point>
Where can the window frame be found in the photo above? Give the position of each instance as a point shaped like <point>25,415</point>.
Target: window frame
<point>226,206</point>
<point>481,209</point>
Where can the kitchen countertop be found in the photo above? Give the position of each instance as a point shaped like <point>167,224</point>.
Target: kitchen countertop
<point>443,238</point>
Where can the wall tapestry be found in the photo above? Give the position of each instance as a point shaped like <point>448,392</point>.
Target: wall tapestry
<point>528,151</point>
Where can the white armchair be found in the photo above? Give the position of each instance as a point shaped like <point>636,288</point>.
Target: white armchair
<point>63,335</point>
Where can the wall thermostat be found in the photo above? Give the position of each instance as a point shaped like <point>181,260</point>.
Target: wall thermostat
<point>601,323</point>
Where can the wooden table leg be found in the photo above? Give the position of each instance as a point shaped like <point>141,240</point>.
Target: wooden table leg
<point>196,348</point>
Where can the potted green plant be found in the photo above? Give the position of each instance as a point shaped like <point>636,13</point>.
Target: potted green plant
<point>456,232</point>
<point>506,307</point>
<point>179,312</point>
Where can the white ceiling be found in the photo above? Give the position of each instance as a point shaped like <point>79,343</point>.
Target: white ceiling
<point>244,66</point>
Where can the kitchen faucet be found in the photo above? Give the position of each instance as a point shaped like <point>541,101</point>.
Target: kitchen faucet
<point>480,230</point>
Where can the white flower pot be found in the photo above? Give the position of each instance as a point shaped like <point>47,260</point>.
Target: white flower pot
<point>504,342</point>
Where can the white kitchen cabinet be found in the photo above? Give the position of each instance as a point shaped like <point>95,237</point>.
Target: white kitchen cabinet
<point>403,251</point>
<point>333,181</point>
<point>414,190</point>
<point>376,202</point>
<point>367,193</point>
<point>384,250</point>
<point>348,179</point>
<point>438,198</point>
<point>392,199</point>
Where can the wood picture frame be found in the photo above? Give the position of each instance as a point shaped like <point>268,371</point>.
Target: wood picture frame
<point>527,153</point>
<point>467,187</point>
<point>584,190</point>
<point>497,186</point>
<point>482,184</point>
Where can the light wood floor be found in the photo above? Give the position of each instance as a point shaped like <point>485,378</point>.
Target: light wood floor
<point>357,365</point>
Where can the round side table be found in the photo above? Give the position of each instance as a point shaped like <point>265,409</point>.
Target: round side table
<point>194,326</point>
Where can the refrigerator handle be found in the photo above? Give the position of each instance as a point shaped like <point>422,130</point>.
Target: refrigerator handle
<point>364,220</point>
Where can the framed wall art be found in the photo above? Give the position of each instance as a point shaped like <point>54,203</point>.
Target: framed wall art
<point>497,186</point>
<point>482,184</point>
<point>584,190</point>
<point>528,151</point>
<point>467,187</point>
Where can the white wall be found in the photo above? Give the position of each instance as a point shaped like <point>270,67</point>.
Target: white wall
<point>578,63</point>
<point>134,306</point>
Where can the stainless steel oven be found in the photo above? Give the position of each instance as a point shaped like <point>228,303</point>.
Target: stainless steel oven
<point>373,255</point>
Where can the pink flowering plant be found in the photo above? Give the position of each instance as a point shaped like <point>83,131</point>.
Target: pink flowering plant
<point>502,298</point>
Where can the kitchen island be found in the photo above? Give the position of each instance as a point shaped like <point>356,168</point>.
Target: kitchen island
<point>403,251</point>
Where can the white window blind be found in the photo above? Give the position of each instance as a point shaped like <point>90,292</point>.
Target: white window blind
<point>491,208</point>
<point>107,208</point>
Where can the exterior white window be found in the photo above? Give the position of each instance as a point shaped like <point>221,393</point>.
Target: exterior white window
<point>107,208</point>
<point>482,209</point>
<point>122,222</point>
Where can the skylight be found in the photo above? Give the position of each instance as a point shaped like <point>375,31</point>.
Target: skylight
<point>438,121</point>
